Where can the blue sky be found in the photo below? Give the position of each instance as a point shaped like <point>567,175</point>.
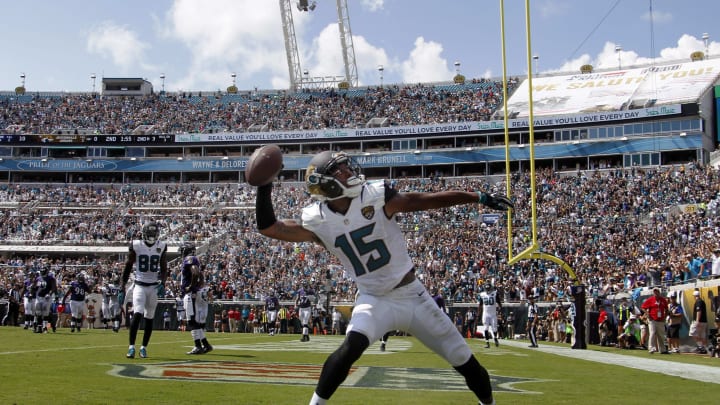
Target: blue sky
<point>198,44</point>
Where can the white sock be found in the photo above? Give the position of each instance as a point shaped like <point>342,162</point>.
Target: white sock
<point>316,400</point>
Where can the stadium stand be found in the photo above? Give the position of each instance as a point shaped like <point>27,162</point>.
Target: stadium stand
<point>621,190</point>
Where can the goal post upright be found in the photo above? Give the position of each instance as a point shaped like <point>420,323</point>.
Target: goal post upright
<point>532,252</point>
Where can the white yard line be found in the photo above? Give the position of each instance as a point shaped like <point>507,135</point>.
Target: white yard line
<point>656,364</point>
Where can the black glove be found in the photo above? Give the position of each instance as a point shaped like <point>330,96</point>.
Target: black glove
<point>496,201</point>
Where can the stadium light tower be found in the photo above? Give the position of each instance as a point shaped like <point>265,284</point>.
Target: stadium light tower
<point>291,49</point>
<point>22,79</point>
<point>457,67</point>
<point>93,77</point>
<point>381,69</point>
<point>706,38</point>
<point>162,80</point>
<point>618,49</point>
<point>536,58</point>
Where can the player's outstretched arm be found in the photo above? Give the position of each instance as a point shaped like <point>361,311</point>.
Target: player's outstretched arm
<point>284,229</point>
<point>409,202</point>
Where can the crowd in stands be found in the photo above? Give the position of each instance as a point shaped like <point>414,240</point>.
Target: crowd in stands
<point>274,111</point>
<point>618,229</point>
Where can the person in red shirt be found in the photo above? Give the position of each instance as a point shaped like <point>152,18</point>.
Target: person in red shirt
<point>235,319</point>
<point>603,327</point>
<point>655,308</point>
<point>231,320</point>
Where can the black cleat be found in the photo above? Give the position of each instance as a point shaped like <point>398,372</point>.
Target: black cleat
<point>382,346</point>
<point>208,348</point>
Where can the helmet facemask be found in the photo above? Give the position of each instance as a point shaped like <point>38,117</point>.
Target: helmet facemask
<point>187,249</point>
<point>322,183</point>
<point>150,234</point>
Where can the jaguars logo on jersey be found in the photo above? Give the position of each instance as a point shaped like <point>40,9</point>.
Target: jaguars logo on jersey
<point>368,212</point>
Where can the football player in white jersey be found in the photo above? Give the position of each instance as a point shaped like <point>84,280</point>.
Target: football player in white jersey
<point>355,221</point>
<point>110,303</point>
<point>149,258</point>
<point>29,300</point>
<point>489,307</point>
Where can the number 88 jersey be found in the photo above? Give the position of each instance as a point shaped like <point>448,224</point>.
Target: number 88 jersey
<point>147,260</point>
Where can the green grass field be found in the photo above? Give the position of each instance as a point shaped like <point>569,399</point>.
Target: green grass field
<point>90,368</point>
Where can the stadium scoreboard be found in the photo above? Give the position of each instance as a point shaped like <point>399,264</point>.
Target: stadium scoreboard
<point>87,139</point>
<point>130,139</point>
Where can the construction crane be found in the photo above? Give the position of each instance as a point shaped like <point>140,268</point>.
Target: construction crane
<point>299,78</point>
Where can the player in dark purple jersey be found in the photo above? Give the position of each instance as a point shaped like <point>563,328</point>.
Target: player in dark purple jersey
<point>78,291</point>
<point>272,305</point>
<point>45,287</point>
<point>440,300</point>
<point>304,303</point>
<point>196,296</point>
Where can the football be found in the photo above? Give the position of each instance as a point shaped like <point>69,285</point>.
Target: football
<point>263,165</point>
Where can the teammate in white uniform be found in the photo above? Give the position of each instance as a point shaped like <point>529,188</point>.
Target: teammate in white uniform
<point>29,300</point>
<point>110,303</point>
<point>355,221</point>
<point>149,258</point>
<point>532,322</point>
<point>489,307</point>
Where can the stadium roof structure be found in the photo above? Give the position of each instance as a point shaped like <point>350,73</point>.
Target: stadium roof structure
<point>616,90</point>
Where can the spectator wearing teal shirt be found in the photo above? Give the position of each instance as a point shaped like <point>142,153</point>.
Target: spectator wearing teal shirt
<point>695,267</point>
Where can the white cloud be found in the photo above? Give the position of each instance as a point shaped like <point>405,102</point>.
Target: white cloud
<point>119,44</point>
<point>658,16</point>
<point>226,36</point>
<point>325,57</point>
<point>371,57</point>
<point>608,57</point>
<point>425,63</point>
<point>373,5</point>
